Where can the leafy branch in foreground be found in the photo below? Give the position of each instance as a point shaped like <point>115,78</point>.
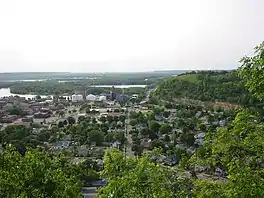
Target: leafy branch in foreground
<point>252,70</point>
<point>239,150</point>
<point>36,174</point>
<point>137,178</point>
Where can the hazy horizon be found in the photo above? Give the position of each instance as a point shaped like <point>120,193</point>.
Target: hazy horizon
<point>86,36</point>
<point>114,72</point>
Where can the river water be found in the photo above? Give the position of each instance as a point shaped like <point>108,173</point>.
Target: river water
<point>5,92</point>
<point>121,86</point>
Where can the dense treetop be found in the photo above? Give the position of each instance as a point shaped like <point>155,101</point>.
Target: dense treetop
<point>252,70</point>
<point>36,175</point>
<point>139,178</point>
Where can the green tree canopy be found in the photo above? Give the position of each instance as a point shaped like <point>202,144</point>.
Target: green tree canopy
<point>239,150</point>
<point>165,129</point>
<point>252,70</point>
<point>16,110</point>
<point>96,136</point>
<point>71,120</point>
<point>35,175</point>
<point>60,124</point>
<point>133,122</point>
<point>81,119</point>
<point>154,126</point>
<point>139,178</point>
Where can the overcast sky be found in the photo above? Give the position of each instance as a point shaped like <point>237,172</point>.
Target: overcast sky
<point>122,35</point>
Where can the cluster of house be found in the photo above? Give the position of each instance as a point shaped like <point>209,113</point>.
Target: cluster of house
<point>28,109</point>
<point>43,108</point>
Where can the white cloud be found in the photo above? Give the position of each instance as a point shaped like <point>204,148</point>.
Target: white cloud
<point>124,35</point>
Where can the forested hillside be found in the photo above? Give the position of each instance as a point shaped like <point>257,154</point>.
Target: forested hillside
<point>221,86</point>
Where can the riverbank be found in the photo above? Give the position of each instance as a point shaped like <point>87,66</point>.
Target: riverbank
<point>6,92</point>
<point>120,86</point>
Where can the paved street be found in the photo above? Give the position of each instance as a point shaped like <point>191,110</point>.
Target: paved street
<point>129,151</point>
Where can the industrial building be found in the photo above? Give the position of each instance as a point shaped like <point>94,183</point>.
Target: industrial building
<point>91,97</point>
<point>77,97</point>
<point>102,98</point>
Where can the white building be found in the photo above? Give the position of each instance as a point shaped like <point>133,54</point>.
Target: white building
<point>102,98</point>
<point>77,98</point>
<point>80,97</point>
<point>91,97</point>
